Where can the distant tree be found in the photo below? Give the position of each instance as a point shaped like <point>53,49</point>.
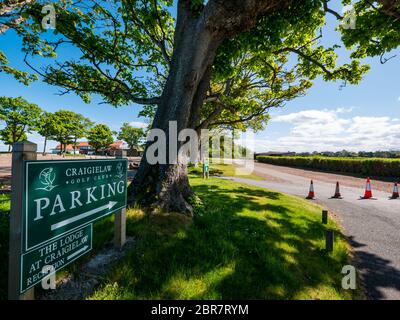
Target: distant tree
<point>100,137</point>
<point>131,135</point>
<point>61,128</point>
<point>7,136</point>
<point>45,128</point>
<point>80,129</point>
<point>20,117</point>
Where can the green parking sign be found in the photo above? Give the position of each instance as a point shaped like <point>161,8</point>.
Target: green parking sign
<point>60,196</point>
<point>55,254</point>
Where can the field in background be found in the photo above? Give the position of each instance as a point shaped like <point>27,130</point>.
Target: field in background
<point>374,167</point>
<point>222,169</point>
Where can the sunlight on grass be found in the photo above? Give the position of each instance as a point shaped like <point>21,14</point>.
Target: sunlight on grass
<point>223,170</point>
<point>183,288</point>
<point>244,243</point>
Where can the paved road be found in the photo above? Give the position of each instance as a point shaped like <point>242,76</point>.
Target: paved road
<point>372,226</point>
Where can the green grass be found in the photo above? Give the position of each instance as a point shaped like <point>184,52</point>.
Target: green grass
<point>78,155</point>
<point>225,170</point>
<point>4,231</point>
<point>244,243</point>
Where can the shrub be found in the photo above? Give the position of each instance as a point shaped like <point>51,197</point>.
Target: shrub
<point>367,167</point>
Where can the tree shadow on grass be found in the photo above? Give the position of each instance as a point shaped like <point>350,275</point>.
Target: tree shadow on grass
<point>238,249</point>
<point>376,272</point>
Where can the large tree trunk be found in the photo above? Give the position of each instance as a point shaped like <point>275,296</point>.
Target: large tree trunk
<point>197,39</point>
<point>182,97</point>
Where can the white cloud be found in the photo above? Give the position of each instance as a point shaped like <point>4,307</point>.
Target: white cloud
<point>310,123</point>
<point>138,124</point>
<point>327,130</point>
<point>344,110</point>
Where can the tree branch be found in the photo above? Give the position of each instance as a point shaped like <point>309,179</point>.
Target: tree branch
<point>126,92</point>
<point>333,12</point>
<point>159,43</point>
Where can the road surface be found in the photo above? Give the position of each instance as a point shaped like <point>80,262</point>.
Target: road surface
<point>372,226</point>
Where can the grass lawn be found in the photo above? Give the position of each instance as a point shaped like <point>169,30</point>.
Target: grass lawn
<point>226,170</point>
<point>4,231</point>
<point>244,243</point>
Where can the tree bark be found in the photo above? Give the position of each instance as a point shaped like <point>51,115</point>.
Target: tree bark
<point>75,146</point>
<point>45,145</point>
<point>197,38</point>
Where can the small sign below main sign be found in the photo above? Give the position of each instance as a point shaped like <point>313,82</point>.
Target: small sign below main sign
<point>57,254</point>
<point>60,196</point>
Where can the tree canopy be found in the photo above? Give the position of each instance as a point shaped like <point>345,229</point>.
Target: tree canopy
<point>62,126</point>
<point>19,116</point>
<point>126,49</point>
<point>12,17</point>
<point>377,28</point>
<point>45,128</point>
<point>200,63</point>
<point>131,135</point>
<point>81,127</point>
<point>7,135</point>
<point>100,137</point>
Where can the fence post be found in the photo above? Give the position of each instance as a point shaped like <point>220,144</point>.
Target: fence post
<point>324,216</point>
<point>21,151</point>
<point>329,240</point>
<point>120,215</point>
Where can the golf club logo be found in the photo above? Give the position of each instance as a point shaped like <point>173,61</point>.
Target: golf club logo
<point>46,178</point>
<point>120,170</point>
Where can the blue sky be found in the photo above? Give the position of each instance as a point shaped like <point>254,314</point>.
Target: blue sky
<point>363,117</point>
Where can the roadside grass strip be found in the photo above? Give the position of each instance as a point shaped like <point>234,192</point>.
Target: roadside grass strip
<point>244,243</point>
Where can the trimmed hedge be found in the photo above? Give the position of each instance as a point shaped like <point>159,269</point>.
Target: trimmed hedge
<point>367,167</point>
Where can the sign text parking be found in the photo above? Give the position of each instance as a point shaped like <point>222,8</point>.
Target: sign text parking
<point>60,196</point>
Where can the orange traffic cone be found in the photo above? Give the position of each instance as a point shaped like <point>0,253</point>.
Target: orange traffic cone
<point>395,194</point>
<point>311,193</point>
<point>368,190</point>
<point>337,192</point>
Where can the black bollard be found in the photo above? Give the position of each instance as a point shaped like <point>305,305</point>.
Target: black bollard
<point>329,240</point>
<point>324,216</point>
